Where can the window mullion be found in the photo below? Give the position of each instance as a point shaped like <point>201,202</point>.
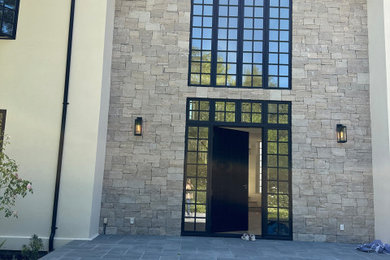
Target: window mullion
<point>214,47</point>
<point>240,36</point>
<point>265,44</point>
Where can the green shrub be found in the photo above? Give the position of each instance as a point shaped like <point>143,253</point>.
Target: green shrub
<point>31,252</point>
<point>11,185</point>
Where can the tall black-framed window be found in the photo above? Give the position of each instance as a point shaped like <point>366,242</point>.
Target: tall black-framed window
<point>274,118</point>
<point>240,44</point>
<point>2,126</point>
<point>9,10</point>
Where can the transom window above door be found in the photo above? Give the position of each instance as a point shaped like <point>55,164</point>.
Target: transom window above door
<point>240,44</point>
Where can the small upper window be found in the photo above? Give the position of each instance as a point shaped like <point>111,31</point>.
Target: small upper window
<point>8,18</point>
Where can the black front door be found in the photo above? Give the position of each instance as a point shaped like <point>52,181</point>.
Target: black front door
<point>229,202</point>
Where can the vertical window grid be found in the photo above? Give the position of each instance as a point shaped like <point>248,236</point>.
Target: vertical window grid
<point>252,69</point>
<point>201,42</point>
<point>196,179</point>
<point>279,44</point>
<point>227,43</point>
<point>278,193</point>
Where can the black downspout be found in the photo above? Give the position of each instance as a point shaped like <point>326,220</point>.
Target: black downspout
<point>62,134</point>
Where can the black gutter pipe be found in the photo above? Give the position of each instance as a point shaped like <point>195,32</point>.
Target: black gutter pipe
<point>62,133</point>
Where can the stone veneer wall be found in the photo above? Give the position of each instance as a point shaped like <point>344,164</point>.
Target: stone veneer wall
<point>332,183</point>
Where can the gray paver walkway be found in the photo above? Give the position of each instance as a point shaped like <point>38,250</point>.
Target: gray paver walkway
<point>204,248</point>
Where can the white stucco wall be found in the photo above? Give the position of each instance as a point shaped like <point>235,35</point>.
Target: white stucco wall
<point>379,55</point>
<point>32,72</point>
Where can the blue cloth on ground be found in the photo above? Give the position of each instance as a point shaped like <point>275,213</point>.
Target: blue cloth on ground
<point>375,246</point>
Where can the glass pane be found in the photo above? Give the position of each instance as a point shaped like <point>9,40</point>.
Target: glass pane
<point>202,158</point>
<point>188,224</point>
<point>283,119</point>
<point>219,116</point>
<point>203,145</point>
<point>201,227</point>
<point>272,108</point>
<point>272,161</point>
<point>192,145</point>
<point>191,157</point>
<point>256,107</point>
<point>230,106</point>
<point>272,148</point>
<point>283,214</point>
<point>201,197</point>
<point>272,173</point>
<point>195,79</point>
<point>283,187</point>
<point>272,200</point>
<point>272,118</point>
<point>204,105</point>
<point>202,171</point>
<point>284,229</point>
<point>230,117</point>
<point>246,107</point>
<point>272,213</point>
<point>193,115</point>
<point>272,227</point>
<point>246,118</point>
<point>219,106</point>
<point>283,201</point>
<point>202,184</point>
<point>272,187</point>
<point>191,170</point>
<point>283,108</point>
<point>272,135</point>
<point>191,185</point>
<point>192,132</point>
<point>283,174</point>
<point>204,132</point>
<point>256,118</point>
<point>283,148</point>
<point>283,136</point>
<point>283,161</point>
<point>204,116</point>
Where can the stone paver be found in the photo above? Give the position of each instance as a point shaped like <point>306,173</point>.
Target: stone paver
<point>201,248</point>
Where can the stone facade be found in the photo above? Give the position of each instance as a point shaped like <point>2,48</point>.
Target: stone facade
<point>332,183</point>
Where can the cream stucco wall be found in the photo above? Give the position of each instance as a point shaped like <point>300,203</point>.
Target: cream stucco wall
<point>32,72</point>
<point>379,54</point>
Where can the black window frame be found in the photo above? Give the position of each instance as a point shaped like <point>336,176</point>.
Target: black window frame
<point>3,114</point>
<point>14,22</point>
<point>265,49</point>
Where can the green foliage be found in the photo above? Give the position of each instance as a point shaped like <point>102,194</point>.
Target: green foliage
<point>31,252</point>
<point>11,185</point>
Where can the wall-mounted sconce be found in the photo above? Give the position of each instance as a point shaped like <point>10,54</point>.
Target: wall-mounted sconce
<point>138,126</point>
<point>341,133</point>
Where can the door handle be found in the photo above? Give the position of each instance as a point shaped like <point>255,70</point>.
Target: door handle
<point>245,186</point>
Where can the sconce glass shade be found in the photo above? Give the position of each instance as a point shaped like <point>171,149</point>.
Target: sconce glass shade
<point>341,133</point>
<point>138,126</point>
